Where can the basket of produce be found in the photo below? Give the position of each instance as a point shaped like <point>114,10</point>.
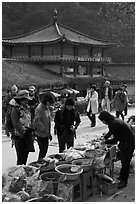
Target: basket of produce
<point>85,163</point>
<point>59,158</point>
<point>51,176</point>
<point>71,171</point>
<point>92,153</point>
<point>44,165</point>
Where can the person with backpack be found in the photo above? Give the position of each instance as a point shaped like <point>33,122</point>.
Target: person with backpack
<point>6,108</point>
<point>120,102</point>
<point>22,127</point>
<point>67,120</point>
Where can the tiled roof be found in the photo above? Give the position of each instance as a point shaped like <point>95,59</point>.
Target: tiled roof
<point>77,37</point>
<point>43,35</point>
<point>25,74</point>
<point>55,32</point>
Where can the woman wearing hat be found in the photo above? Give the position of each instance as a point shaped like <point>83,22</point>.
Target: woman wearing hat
<point>67,120</point>
<point>21,120</point>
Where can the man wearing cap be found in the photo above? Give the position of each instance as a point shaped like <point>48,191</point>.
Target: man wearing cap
<point>42,123</point>
<point>106,96</point>
<point>66,120</point>
<point>21,120</point>
<point>6,106</point>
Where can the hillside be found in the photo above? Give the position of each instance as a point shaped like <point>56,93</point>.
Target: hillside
<point>32,74</point>
<point>106,21</point>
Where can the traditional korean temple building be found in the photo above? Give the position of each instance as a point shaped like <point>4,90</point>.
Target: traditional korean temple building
<point>77,57</point>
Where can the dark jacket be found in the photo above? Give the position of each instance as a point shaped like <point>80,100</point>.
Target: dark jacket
<point>120,101</point>
<point>122,133</point>
<point>64,119</point>
<point>110,92</point>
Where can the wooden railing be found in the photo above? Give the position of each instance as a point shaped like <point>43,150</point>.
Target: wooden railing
<point>57,58</point>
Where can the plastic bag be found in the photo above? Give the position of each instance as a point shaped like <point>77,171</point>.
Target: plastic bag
<point>65,191</point>
<point>10,197</point>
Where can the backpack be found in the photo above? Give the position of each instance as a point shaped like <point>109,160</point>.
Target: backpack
<point>8,120</point>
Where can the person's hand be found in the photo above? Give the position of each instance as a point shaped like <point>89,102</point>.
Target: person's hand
<point>103,142</point>
<point>55,131</point>
<point>50,137</point>
<point>72,128</point>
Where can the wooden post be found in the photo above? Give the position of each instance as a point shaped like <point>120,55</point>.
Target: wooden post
<point>61,55</point>
<point>42,50</point>
<point>75,63</point>
<point>90,64</point>
<point>11,47</point>
<point>29,51</point>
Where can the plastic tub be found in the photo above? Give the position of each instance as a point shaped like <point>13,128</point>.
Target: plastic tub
<point>51,176</point>
<point>85,163</point>
<point>70,176</point>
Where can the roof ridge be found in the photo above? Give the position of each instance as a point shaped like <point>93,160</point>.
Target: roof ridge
<point>57,29</point>
<point>24,35</point>
<point>83,33</point>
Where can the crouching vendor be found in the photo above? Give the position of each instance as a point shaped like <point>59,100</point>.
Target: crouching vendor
<point>122,133</point>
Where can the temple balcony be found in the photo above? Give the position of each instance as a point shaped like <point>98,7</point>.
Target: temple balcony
<point>67,58</point>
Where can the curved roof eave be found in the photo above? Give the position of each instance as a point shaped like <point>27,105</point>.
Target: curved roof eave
<point>26,43</point>
<point>89,37</point>
<point>95,45</point>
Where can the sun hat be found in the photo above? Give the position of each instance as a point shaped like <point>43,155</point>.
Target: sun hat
<point>23,94</point>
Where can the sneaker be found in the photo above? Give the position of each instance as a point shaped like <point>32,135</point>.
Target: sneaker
<point>122,184</point>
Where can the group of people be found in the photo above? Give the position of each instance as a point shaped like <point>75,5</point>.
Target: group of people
<point>31,119</point>
<point>120,101</point>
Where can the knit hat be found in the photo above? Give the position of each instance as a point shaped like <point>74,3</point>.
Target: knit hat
<point>69,102</point>
<point>14,88</point>
<point>47,97</point>
<point>31,88</point>
<point>107,82</point>
<point>22,95</point>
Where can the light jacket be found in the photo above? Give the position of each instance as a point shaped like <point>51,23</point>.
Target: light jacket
<point>92,99</point>
<point>42,121</point>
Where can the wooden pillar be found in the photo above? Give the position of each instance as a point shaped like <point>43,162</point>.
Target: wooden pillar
<point>102,66</point>
<point>75,63</point>
<point>61,62</point>
<point>91,63</point>
<point>11,48</point>
<point>42,50</point>
<point>102,52</point>
<point>29,51</point>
